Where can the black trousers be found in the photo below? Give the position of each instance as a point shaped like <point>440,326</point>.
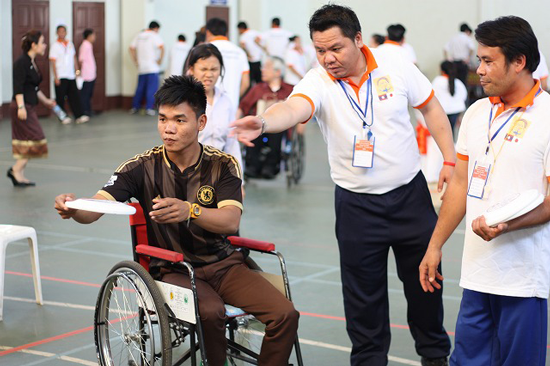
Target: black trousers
<point>86,94</point>
<point>265,152</point>
<point>367,225</point>
<point>67,89</point>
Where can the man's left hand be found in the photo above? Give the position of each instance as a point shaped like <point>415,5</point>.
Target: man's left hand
<point>444,177</point>
<point>169,210</point>
<point>487,233</point>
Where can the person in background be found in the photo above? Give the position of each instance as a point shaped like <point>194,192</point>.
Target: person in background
<point>236,80</point>
<point>460,50</point>
<point>396,42</point>
<point>28,139</point>
<point>541,73</point>
<point>450,92</point>
<point>205,63</point>
<point>178,55</point>
<point>147,51</point>
<point>271,90</point>
<point>376,40</point>
<point>296,61</point>
<point>275,40</point>
<point>65,68</point>
<point>88,70</point>
<point>254,52</point>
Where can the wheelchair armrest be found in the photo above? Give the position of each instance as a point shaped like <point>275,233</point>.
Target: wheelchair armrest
<point>159,253</point>
<point>260,246</point>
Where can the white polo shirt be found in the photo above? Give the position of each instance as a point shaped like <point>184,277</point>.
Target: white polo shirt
<point>63,54</point>
<point>276,41</point>
<point>515,263</point>
<point>216,132</point>
<point>459,47</point>
<point>254,50</point>
<point>148,45</point>
<point>235,64</point>
<point>451,104</point>
<point>299,62</point>
<point>396,83</point>
<point>178,55</point>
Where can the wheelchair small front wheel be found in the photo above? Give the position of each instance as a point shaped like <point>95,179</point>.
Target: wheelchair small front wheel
<point>130,324</point>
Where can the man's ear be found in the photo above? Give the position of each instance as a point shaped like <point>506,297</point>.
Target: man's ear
<point>519,63</point>
<point>202,122</point>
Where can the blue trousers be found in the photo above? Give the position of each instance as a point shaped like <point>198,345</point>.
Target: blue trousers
<point>147,86</point>
<point>500,331</point>
<point>367,226</point>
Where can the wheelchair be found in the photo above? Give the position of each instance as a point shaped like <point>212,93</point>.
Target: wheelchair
<point>140,321</point>
<point>293,156</point>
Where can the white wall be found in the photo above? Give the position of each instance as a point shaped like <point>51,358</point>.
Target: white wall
<point>6,61</point>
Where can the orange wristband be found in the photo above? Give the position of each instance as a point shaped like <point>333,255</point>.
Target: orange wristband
<point>449,163</point>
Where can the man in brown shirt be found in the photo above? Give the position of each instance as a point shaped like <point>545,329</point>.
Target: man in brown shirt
<point>191,197</point>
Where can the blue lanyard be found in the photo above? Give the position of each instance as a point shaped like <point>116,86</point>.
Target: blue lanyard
<point>501,127</point>
<point>362,114</point>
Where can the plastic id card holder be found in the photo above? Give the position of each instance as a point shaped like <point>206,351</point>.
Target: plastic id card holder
<point>479,178</point>
<point>363,152</point>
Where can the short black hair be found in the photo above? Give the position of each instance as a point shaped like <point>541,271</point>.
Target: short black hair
<point>60,26</point>
<point>179,89</point>
<point>276,21</point>
<point>181,37</point>
<point>465,28</point>
<point>154,25</point>
<point>217,26</point>
<point>201,52</point>
<point>396,32</point>
<point>242,25</point>
<point>379,39</point>
<point>331,15</point>
<point>87,32</point>
<point>514,36</point>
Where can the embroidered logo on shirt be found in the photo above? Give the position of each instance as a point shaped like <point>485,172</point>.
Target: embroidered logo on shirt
<point>517,130</point>
<point>384,88</point>
<point>205,195</point>
<point>111,181</point>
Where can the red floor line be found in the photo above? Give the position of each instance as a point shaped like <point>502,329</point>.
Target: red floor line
<point>47,340</point>
<point>55,279</point>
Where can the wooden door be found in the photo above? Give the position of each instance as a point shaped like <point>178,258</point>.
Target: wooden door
<point>92,15</point>
<point>27,15</point>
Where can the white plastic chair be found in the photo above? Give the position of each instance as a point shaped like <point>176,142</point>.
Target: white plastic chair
<point>11,233</point>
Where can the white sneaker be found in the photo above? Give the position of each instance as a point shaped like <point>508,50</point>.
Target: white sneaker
<point>151,112</point>
<point>82,119</point>
<point>66,121</point>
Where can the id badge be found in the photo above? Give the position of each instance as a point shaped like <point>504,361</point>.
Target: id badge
<point>479,178</point>
<point>363,152</point>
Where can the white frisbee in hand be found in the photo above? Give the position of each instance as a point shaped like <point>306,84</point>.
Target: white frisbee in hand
<point>101,206</point>
<point>513,206</point>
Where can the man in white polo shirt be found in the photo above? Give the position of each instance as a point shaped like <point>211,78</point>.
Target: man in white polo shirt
<point>247,41</point>
<point>503,149</point>
<point>147,51</point>
<point>275,41</point>
<point>65,67</point>
<point>382,200</point>
<point>460,50</point>
<point>235,78</point>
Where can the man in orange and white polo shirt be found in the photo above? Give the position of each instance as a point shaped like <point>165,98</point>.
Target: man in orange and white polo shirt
<point>382,200</point>
<point>235,78</point>
<point>505,272</point>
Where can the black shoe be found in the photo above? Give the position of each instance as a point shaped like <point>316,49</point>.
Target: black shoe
<point>269,172</point>
<point>251,173</point>
<point>434,361</point>
<point>17,183</point>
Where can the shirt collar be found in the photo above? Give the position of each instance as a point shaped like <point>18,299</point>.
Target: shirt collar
<point>391,42</point>
<point>371,66</point>
<point>175,168</point>
<point>219,38</point>
<point>65,42</point>
<point>527,100</point>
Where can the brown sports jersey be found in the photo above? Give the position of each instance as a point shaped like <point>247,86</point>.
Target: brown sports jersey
<point>214,181</point>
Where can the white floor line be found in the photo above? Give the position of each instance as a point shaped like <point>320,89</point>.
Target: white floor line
<point>52,303</point>
<point>78,361</point>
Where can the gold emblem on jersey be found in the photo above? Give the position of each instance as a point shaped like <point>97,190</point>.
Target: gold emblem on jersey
<point>517,130</point>
<point>205,195</point>
<point>384,88</point>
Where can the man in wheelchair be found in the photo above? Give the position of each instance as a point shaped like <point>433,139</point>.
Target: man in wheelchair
<point>191,196</point>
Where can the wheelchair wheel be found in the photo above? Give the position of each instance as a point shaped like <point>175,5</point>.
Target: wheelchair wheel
<point>248,332</point>
<point>296,159</point>
<point>131,325</point>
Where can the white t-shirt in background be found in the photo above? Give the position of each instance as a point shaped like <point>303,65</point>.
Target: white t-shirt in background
<point>147,45</point>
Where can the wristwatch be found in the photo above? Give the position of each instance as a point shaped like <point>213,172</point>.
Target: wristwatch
<point>194,211</point>
<point>21,106</point>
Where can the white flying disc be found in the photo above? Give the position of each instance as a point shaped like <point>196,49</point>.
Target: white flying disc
<point>513,206</point>
<point>101,206</point>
